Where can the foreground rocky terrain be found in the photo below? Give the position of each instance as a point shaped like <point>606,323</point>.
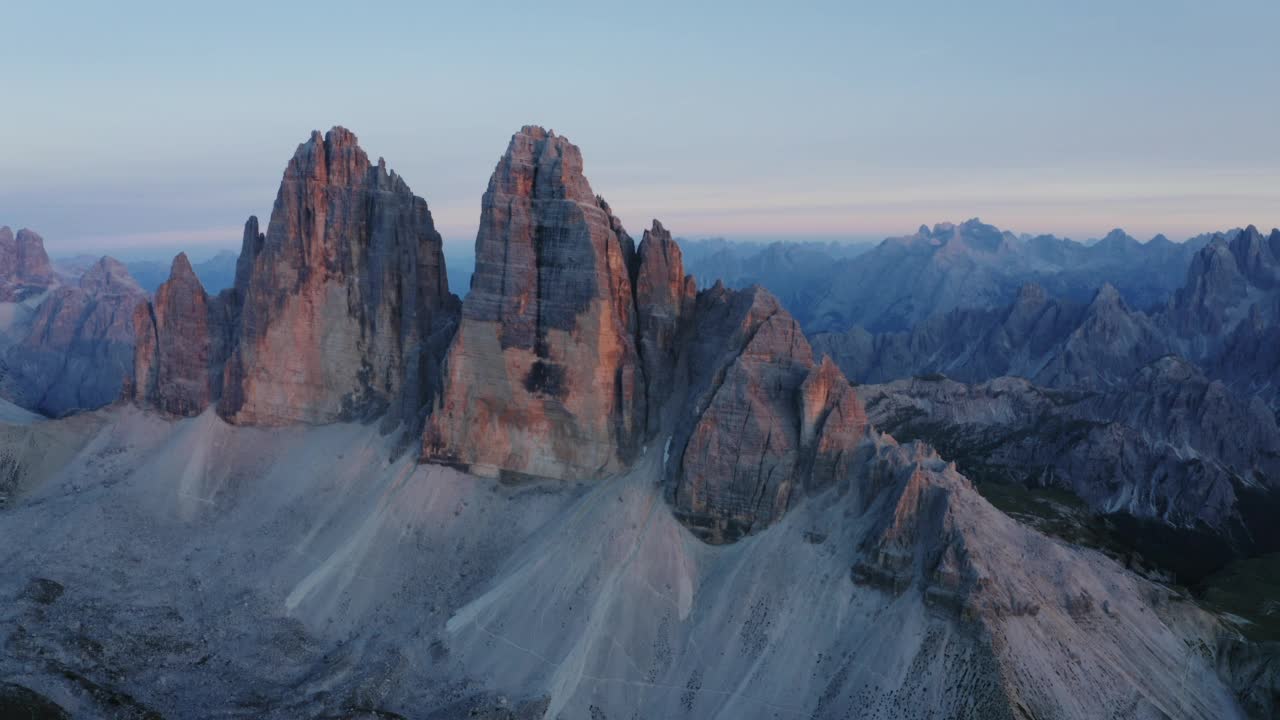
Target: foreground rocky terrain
<point>589,491</point>
<point>205,569</point>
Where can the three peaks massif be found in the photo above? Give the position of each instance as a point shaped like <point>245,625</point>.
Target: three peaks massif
<point>339,452</point>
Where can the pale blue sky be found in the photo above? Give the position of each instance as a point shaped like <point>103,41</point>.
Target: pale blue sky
<point>166,123</point>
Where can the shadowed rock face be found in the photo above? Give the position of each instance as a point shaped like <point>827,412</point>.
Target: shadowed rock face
<point>24,265</point>
<point>183,338</point>
<point>344,297</point>
<point>1053,342</point>
<point>1219,280</point>
<point>543,377</point>
<point>762,422</point>
<point>77,353</point>
<point>1110,344</point>
<point>665,299</point>
<point>1227,316</point>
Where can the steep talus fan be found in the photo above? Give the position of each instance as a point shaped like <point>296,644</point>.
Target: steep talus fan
<point>543,377</point>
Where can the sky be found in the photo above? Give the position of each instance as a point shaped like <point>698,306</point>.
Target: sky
<point>136,127</point>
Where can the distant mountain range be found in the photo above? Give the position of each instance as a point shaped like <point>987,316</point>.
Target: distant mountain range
<point>215,273</point>
<point>905,280</point>
<point>1223,317</point>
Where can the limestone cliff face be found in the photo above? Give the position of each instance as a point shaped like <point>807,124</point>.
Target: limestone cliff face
<point>543,377</point>
<point>24,265</point>
<point>665,299</point>
<point>343,299</point>
<point>77,353</point>
<point>182,343</point>
<point>762,422</point>
<point>832,423</point>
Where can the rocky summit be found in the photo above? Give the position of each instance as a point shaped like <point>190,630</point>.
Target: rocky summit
<point>665,299</point>
<point>545,365</point>
<point>761,422</point>
<point>342,299</point>
<point>183,337</point>
<point>341,310</point>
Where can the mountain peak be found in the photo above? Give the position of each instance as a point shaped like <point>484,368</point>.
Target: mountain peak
<point>332,158</point>
<point>24,264</point>
<point>1107,295</point>
<point>109,274</point>
<point>340,311</point>
<point>536,132</point>
<point>544,166</point>
<point>181,266</point>
<point>550,321</point>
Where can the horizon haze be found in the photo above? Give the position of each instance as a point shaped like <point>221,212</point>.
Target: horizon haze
<point>833,121</point>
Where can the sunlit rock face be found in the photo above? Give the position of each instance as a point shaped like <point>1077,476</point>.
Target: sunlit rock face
<point>345,297</point>
<point>543,377</point>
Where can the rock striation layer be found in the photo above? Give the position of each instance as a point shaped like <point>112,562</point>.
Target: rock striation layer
<point>543,377</point>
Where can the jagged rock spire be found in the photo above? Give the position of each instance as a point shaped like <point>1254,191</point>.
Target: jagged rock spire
<point>343,298</point>
<point>543,376</point>
<point>340,311</point>
<point>665,299</point>
<point>174,368</point>
<point>24,264</point>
